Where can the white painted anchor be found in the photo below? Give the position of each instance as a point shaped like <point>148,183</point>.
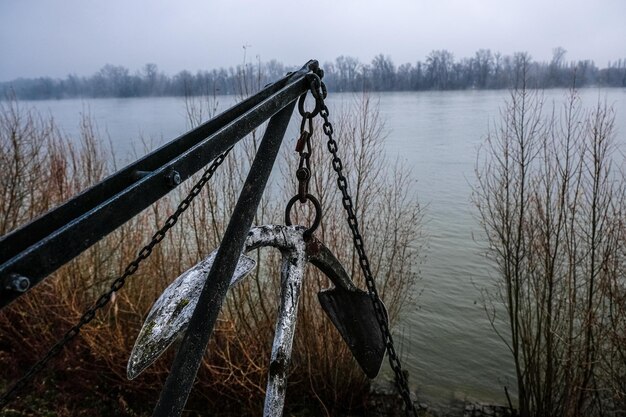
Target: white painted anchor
<point>350,309</point>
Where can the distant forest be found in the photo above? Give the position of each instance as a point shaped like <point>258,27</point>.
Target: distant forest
<point>439,71</point>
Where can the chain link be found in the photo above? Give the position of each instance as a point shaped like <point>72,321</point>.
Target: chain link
<point>303,173</point>
<point>400,377</point>
<point>303,147</point>
<point>116,285</point>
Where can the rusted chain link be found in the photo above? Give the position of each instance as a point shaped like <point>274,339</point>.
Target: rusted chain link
<point>116,285</point>
<point>342,182</point>
<point>303,147</point>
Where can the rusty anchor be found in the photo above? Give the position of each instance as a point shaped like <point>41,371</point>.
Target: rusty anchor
<point>349,308</point>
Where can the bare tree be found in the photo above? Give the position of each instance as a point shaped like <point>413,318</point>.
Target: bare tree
<point>551,203</point>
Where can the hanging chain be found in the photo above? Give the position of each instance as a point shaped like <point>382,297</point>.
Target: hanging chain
<point>116,285</point>
<point>303,173</point>
<point>400,377</point>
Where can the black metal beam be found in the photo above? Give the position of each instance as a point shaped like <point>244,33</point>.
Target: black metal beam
<point>185,367</point>
<point>18,240</point>
<point>39,248</point>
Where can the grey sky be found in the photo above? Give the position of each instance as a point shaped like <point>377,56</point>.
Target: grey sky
<point>46,37</point>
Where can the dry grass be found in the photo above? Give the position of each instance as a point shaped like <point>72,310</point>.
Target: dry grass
<point>89,378</point>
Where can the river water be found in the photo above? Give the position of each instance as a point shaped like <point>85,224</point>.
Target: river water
<point>446,341</point>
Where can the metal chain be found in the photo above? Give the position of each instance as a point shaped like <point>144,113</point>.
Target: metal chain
<point>116,285</point>
<point>303,147</point>
<point>401,379</point>
<point>303,173</point>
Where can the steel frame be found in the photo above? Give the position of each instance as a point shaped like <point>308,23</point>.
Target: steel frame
<point>31,253</point>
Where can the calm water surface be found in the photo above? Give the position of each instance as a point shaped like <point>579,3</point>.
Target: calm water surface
<point>447,343</point>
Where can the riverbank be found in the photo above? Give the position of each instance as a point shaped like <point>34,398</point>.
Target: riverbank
<point>384,401</point>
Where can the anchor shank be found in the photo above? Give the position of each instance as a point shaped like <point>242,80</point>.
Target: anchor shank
<point>185,367</point>
<point>292,272</point>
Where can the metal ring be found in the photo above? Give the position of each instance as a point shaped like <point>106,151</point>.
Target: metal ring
<point>318,213</point>
<point>305,113</point>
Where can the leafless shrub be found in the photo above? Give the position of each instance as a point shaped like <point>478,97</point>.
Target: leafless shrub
<point>551,202</point>
<point>48,168</point>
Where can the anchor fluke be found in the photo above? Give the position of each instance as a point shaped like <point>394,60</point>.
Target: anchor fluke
<point>170,314</point>
<point>352,313</point>
<point>350,309</point>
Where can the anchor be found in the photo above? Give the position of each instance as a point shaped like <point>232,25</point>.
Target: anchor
<point>349,308</point>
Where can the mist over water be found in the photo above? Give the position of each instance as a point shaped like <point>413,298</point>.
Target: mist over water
<point>447,343</point>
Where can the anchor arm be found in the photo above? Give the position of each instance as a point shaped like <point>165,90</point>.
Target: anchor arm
<point>325,261</point>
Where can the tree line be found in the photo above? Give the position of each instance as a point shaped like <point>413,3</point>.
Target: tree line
<point>439,71</point>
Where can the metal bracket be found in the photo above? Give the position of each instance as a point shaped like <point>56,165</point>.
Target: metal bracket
<point>16,283</point>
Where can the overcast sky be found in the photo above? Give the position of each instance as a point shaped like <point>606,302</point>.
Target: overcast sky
<point>58,37</point>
